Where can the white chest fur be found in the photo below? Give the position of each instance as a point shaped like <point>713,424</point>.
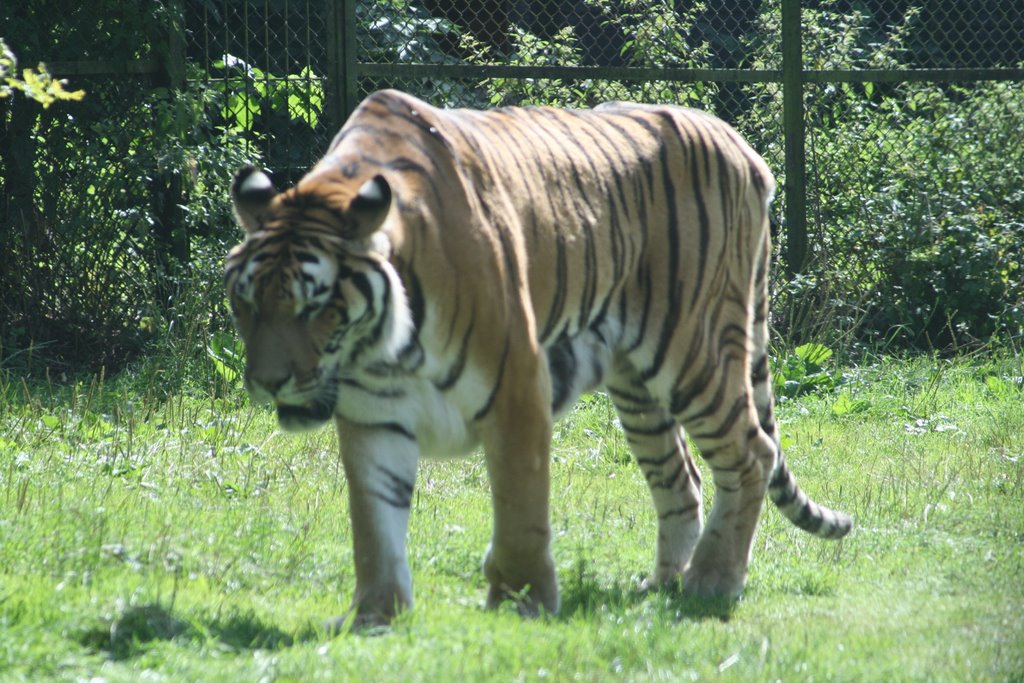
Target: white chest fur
<point>412,405</point>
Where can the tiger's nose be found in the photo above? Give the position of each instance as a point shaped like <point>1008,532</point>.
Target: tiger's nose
<point>264,389</point>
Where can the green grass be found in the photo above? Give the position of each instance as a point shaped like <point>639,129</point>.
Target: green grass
<point>185,539</point>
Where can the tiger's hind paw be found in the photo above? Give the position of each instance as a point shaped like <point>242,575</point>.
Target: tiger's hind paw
<point>714,581</point>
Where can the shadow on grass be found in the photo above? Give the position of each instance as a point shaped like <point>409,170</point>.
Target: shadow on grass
<point>126,635</point>
<point>583,596</point>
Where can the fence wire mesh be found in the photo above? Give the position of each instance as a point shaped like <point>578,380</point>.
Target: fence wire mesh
<point>905,242</point>
<point>588,33</point>
<point>49,263</point>
<point>913,180</point>
<point>268,61</point>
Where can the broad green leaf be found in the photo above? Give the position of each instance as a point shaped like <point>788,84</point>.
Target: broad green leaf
<point>813,354</point>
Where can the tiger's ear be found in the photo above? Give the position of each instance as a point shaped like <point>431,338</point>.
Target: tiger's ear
<point>370,206</point>
<point>251,192</point>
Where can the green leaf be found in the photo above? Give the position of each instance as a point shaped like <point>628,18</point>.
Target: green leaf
<point>847,405</point>
<point>813,354</point>
<point>228,356</point>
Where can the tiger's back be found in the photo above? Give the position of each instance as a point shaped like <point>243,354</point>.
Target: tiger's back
<point>525,256</point>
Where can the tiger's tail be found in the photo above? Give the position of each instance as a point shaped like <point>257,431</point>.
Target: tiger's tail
<point>800,509</point>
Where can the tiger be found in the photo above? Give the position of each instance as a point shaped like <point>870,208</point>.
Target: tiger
<point>449,278</point>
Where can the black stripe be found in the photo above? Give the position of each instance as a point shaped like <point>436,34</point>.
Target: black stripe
<point>361,281</point>
<point>385,314</point>
<point>619,395</point>
<point>807,519</point>
<point>379,393</point>
<point>674,279</point>
<point>659,461</point>
<point>456,368</point>
<point>703,227</point>
<point>497,384</point>
<point>373,337</point>
<point>715,402</point>
<point>728,422</point>
<point>562,368</point>
<point>668,328</point>
<point>513,144</point>
<point>558,305</point>
<point>608,146</point>
<point>637,409</point>
<point>659,428</point>
<point>511,260</point>
<point>759,370</point>
<point>669,482</point>
<point>786,497</point>
<point>589,276</point>
<point>725,185</point>
<point>393,427</point>
<point>618,238</point>
<point>393,501</point>
<point>683,396</point>
<point>399,490</point>
<point>644,275</point>
<point>678,512</point>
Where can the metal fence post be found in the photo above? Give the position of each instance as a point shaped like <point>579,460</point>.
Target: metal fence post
<point>335,64</point>
<point>793,126</point>
<point>341,58</point>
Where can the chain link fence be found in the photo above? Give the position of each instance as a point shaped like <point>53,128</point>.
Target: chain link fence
<point>900,218</point>
<point>893,126</point>
<point>268,61</point>
<point>48,266</point>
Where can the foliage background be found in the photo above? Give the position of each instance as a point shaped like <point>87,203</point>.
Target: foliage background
<point>113,211</point>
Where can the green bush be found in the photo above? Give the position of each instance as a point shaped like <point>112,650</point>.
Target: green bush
<point>658,38</point>
<point>915,197</point>
<point>920,205</point>
<point>125,249</point>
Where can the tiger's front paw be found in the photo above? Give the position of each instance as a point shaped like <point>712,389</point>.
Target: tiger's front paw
<point>373,608</point>
<point>667,576</point>
<point>362,621</point>
<point>532,586</point>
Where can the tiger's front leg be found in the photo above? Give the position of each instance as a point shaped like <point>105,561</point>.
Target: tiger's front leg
<point>380,467</point>
<point>517,444</point>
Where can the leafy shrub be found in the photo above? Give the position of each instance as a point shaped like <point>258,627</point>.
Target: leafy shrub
<point>132,225</point>
<point>926,236</point>
<point>914,194</point>
<point>36,84</point>
<point>282,115</point>
<point>658,38</point>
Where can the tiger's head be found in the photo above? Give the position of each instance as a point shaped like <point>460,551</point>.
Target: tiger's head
<point>311,289</point>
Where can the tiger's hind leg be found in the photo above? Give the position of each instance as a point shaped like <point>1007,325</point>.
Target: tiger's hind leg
<point>659,447</point>
<point>723,420</point>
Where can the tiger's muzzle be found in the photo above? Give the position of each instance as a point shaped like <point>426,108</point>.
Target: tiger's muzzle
<point>297,411</point>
